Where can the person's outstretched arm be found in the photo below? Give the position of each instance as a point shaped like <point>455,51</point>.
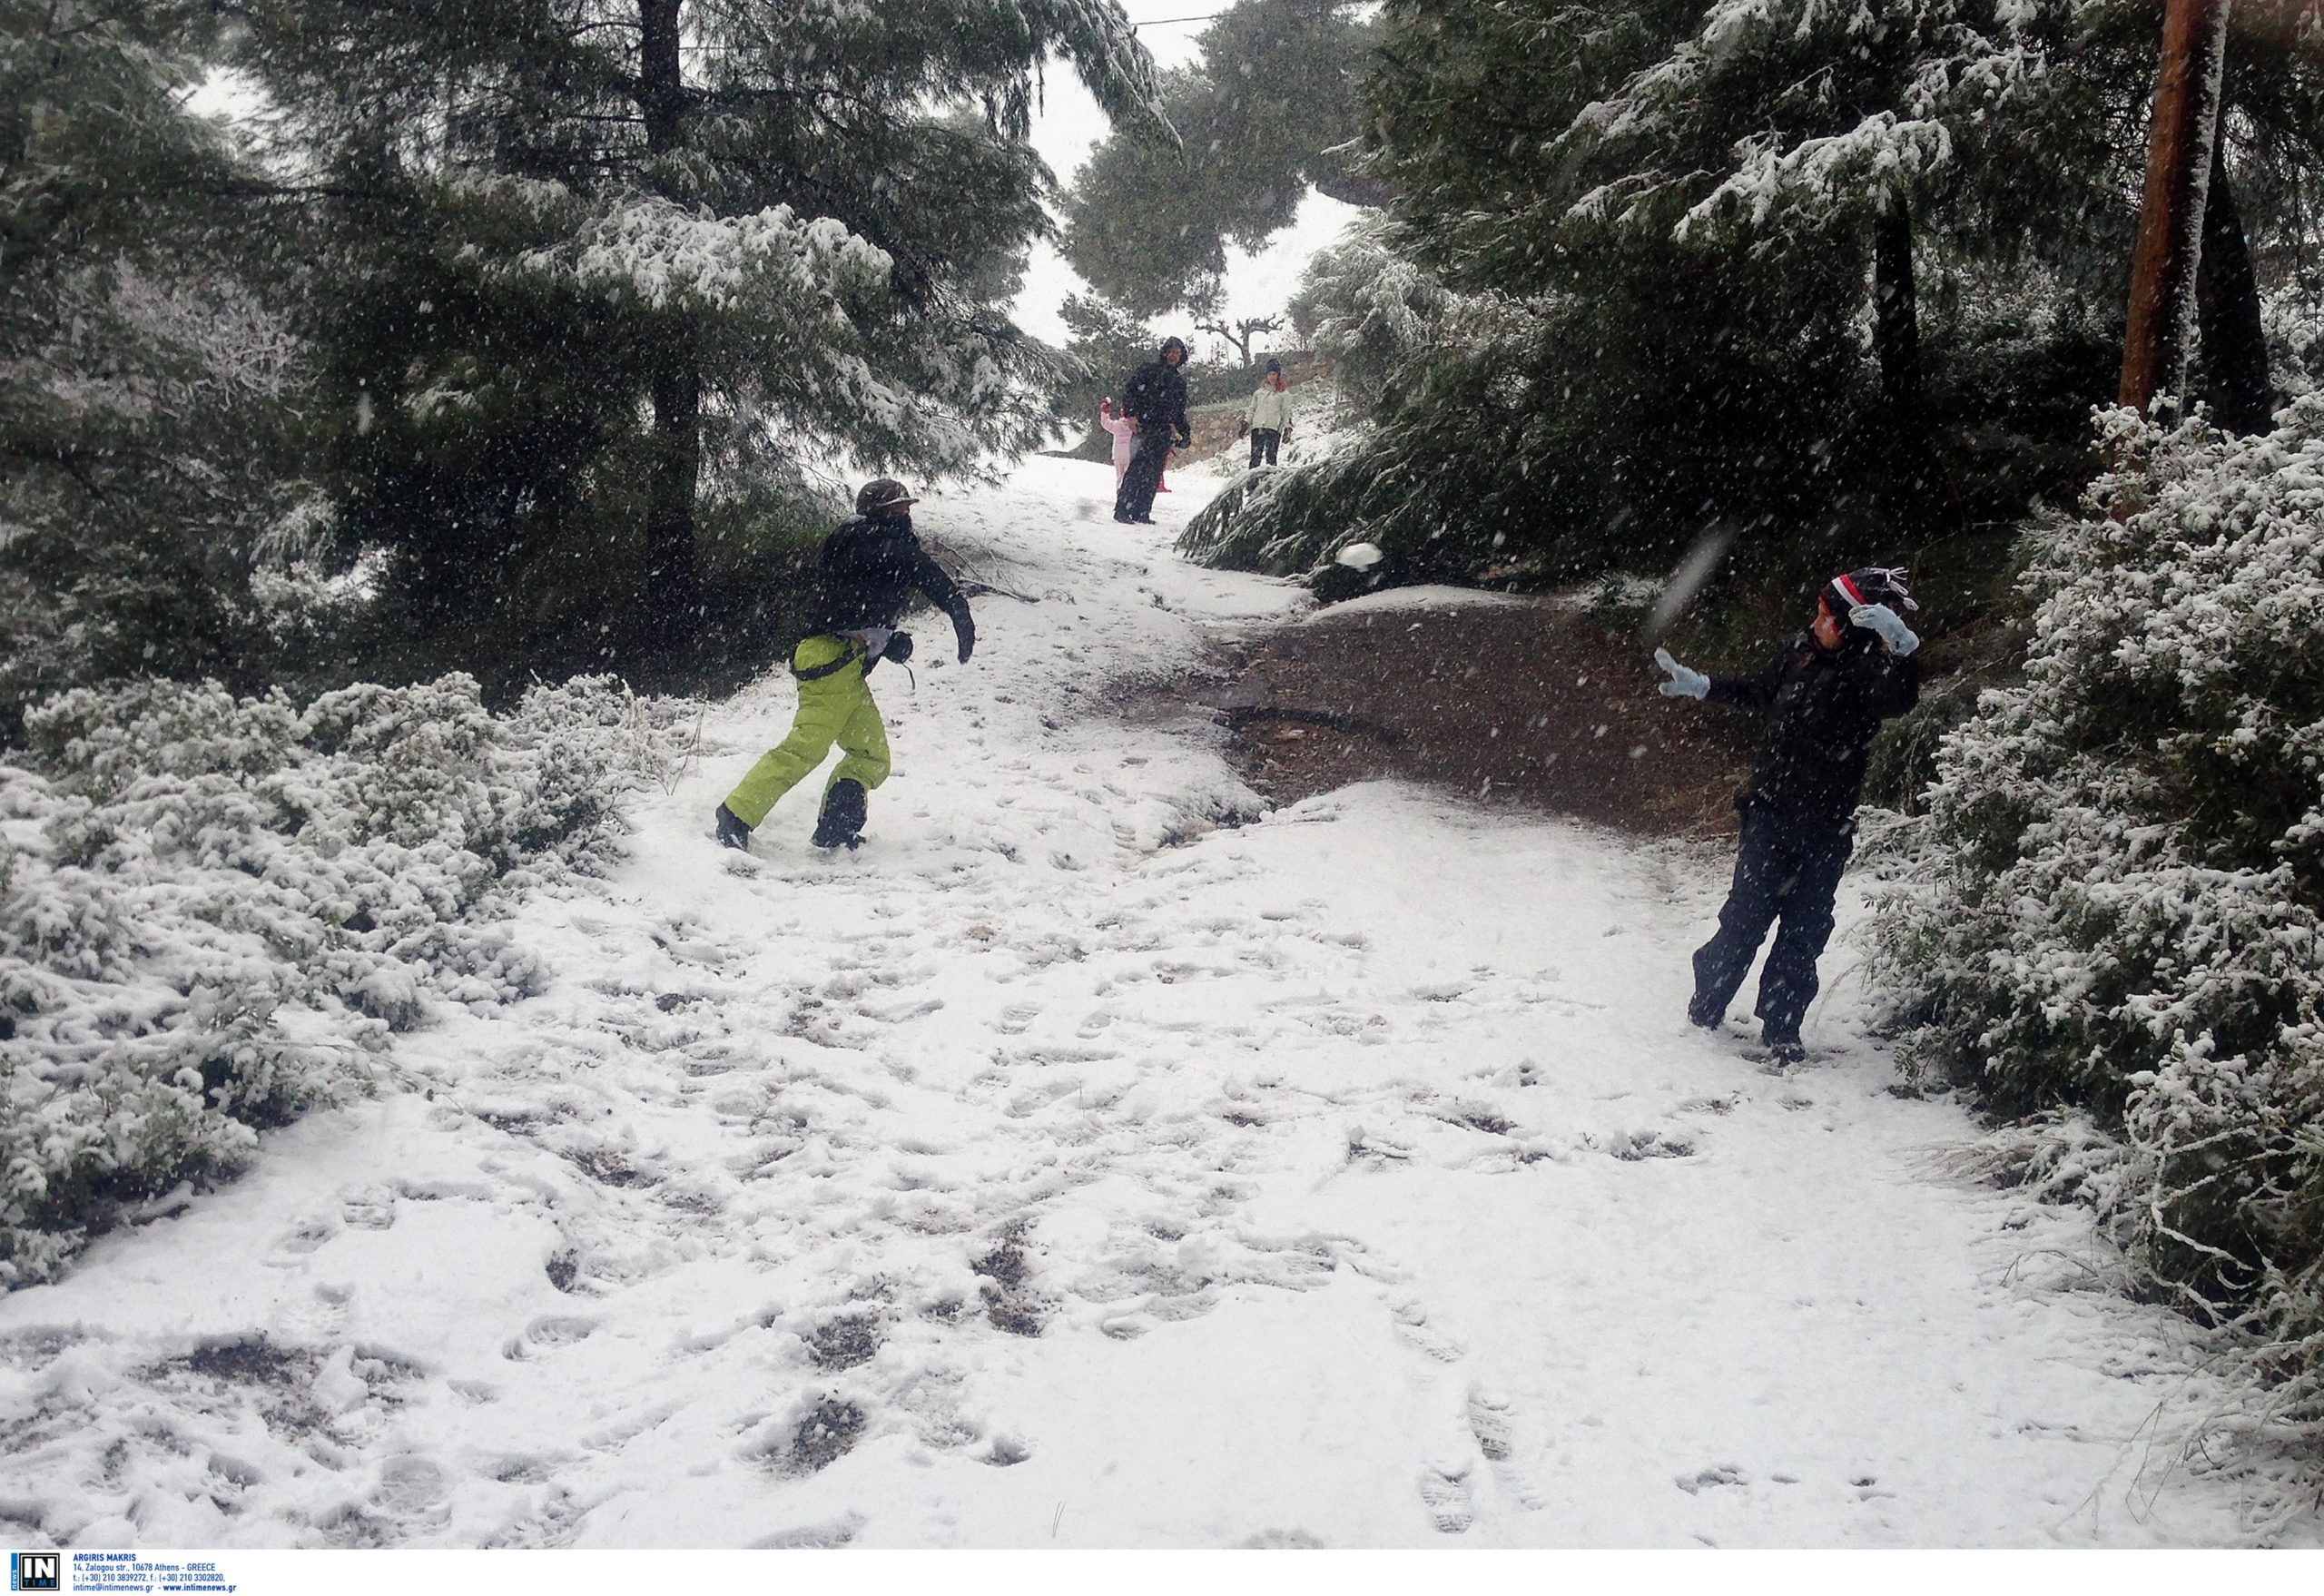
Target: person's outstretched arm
<point>945,594</point>
<point>1751,690</point>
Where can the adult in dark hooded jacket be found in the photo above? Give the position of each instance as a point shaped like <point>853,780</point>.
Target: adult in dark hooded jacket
<point>871,568</point>
<point>1824,699</point>
<point>1155,397</point>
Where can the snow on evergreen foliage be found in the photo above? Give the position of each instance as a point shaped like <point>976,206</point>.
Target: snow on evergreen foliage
<point>1940,65</point>
<point>150,432</point>
<point>215,911</point>
<point>1378,317</point>
<point>665,255</point>
<point>2293,315</point>
<point>1374,311</point>
<point>2124,914</point>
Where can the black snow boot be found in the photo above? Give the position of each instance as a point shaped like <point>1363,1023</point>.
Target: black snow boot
<point>1784,1050</point>
<point>841,824</point>
<point>732,832</point>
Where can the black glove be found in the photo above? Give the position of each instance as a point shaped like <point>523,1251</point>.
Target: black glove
<point>966,630</point>
<point>899,647</point>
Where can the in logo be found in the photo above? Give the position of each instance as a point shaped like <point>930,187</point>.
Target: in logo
<point>36,1571</point>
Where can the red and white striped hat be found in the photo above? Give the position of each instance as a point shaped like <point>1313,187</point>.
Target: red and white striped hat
<point>1868,585</point>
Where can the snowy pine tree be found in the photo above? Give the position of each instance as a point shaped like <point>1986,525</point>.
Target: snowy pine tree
<point>607,274</point>
<point>150,462</point>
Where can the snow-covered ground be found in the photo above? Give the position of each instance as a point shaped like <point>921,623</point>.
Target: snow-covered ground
<point>1070,1166</point>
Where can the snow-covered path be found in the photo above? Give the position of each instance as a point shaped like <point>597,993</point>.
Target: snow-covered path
<point>1067,1167</point>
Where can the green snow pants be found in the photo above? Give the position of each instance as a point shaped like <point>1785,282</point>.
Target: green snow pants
<point>833,708</point>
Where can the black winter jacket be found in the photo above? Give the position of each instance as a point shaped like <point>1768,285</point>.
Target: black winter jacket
<point>1156,395</point>
<point>870,568</point>
<point>1823,710</point>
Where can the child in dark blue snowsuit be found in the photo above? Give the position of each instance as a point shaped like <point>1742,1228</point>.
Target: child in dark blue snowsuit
<point>1824,697</point>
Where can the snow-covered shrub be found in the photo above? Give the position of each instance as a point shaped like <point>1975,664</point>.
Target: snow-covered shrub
<point>214,910</point>
<point>2124,909</point>
<point>2292,312</point>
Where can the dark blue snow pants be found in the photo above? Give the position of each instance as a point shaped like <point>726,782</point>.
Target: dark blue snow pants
<point>1787,870</point>
<point>1135,499</point>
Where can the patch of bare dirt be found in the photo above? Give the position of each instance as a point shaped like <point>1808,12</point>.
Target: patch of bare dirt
<point>1528,704</point>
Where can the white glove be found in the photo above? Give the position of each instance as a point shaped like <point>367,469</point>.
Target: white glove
<point>1888,625</point>
<point>1683,683</point>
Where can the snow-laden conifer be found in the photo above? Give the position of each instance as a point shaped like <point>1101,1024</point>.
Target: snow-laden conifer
<point>149,423</point>
<point>603,275</point>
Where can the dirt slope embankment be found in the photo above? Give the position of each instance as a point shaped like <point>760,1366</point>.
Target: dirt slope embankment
<point>1502,698</point>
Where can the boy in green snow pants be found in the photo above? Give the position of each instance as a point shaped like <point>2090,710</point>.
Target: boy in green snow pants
<point>871,566</point>
<point>833,707</point>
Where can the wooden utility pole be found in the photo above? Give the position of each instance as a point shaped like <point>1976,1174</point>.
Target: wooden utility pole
<point>2170,215</point>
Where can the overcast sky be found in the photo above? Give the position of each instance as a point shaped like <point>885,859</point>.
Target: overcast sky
<point>1070,124</point>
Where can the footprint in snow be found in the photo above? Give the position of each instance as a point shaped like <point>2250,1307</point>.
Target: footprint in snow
<point>546,1335</point>
<point>1282,1541</point>
<point>1633,1145</point>
<point>1489,1421</point>
<point>410,1487</point>
<point>1493,1421</point>
<point>371,1210</point>
<point>1411,1324</point>
<point>1445,1491</point>
<point>307,1238</point>
<point>826,1536</point>
<point>524,1469</point>
<point>1705,1479</point>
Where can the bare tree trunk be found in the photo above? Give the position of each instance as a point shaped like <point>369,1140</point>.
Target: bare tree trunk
<point>2164,268</point>
<point>2227,307</point>
<point>1242,334</point>
<point>672,574</point>
<point>1897,342</point>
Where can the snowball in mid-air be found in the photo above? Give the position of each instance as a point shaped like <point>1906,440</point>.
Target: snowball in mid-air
<point>1362,556</point>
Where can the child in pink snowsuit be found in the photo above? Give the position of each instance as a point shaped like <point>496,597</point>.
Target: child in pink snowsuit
<point>1125,431</point>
